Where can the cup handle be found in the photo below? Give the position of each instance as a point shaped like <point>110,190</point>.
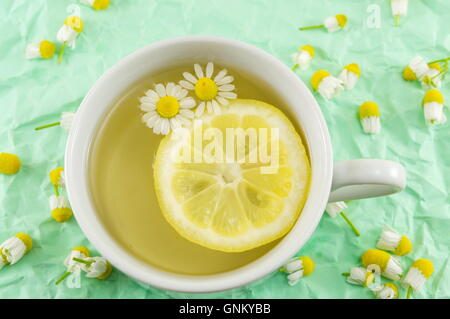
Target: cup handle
<point>364,178</point>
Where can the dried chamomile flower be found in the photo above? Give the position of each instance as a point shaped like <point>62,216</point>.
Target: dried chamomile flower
<point>65,122</point>
<point>68,33</point>
<point>399,9</point>
<point>72,265</point>
<point>433,107</point>
<point>95,267</point>
<point>14,248</point>
<point>327,85</point>
<point>302,58</point>
<point>420,271</point>
<point>43,49</point>
<point>167,108</point>
<point>388,265</point>
<point>297,268</point>
<point>9,163</point>
<point>360,276</point>
<point>212,92</point>
<point>61,211</point>
<point>97,4</point>
<point>416,69</point>
<point>386,291</point>
<point>350,75</point>
<point>332,24</point>
<point>333,209</point>
<point>57,177</point>
<point>393,241</point>
<point>369,116</point>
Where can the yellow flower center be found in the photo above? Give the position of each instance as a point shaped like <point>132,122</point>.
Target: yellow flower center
<point>167,106</point>
<point>82,249</point>
<point>435,66</point>
<point>404,246</point>
<point>433,95</point>
<point>100,4</point>
<point>61,215</point>
<point>308,265</point>
<point>318,77</point>
<point>55,175</point>
<point>409,75</point>
<point>9,163</point>
<point>370,277</point>
<point>27,241</point>
<point>47,49</point>
<point>3,257</point>
<point>376,257</point>
<point>425,266</point>
<point>368,109</point>
<point>353,68</point>
<point>206,89</point>
<point>75,23</point>
<point>309,49</point>
<point>341,19</point>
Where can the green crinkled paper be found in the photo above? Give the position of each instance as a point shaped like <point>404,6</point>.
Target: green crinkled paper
<point>35,92</point>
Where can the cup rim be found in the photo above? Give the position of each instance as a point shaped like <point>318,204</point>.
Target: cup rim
<point>76,158</point>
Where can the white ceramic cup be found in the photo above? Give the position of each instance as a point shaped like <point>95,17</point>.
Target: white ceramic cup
<point>353,179</point>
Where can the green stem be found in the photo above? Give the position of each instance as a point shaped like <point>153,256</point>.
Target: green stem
<point>66,274</point>
<point>61,52</point>
<point>346,274</point>
<point>357,233</point>
<point>283,269</point>
<point>312,27</point>
<point>397,21</point>
<point>408,294</point>
<point>56,190</point>
<point>441,60</point>
<point>294,67</point>
<point>82,261</point>
<point>46,126</point>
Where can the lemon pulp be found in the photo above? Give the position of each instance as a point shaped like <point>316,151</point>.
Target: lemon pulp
<point>232,205</point>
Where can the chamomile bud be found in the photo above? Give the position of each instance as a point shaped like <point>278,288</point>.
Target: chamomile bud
<point>57,177</point>
<point>420,271</point>
<point>433,107</point>
<point>388,265</point>
<point>79,252</point>
<point>360,276</point>
<point>393,241</point>
<point>9,163</point>
<point>433,77</point>
<point>386,291</point>
<point>416,69</point>
<point>97,4</point>
<point>43,49</point>
<point>399,9</point>
<point>302,58</point>
<point>369,116</point>
<point>297,268</point>
<point>61,211</point>
<point>97,267</point>
<point>332,24</point>
<point>327,85</point>
<point>14,248</point>
<point>68,33</point>
<point>350,75</point>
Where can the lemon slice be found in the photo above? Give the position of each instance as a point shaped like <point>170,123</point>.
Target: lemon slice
<point>228,203</point>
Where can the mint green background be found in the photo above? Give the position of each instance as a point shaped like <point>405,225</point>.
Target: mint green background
<point>35,92</point>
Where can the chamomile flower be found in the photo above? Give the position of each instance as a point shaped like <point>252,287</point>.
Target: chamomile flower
<point>433,77</point>
<point>360,276</point>
<point>65,122</point>
<point>369,116</point>
<point>302,58</point>
<point>388,265</point>
<point>416,69</point>
<point>43,49</point>
<point>333,209</point>
<point>68,33</point>
<point>211,91</point>
<point>297,268</point>
<point>332,24</point>
<point>386,291</point>
<point>97,4</point>
<point>327,85</point>
<point>167,108</point>
<point>97,267</point>
<point>61,211</point>
<point>420,271</point>
<point>57,177</point>
<point>9,163</point>
<point>13,249</point>
<point>399,9</point>
<point>71,264</point>
<point>350,75</point>
<point>393,241</point>
<point>433,107</point>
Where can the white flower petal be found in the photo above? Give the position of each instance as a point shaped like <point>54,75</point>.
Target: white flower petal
<point>182,94</point>
<point>174,123</point>
<point>186,85</point>
<point>187,113</point>
<point>222,100</point>
<point>209,107</point>
<point>147,107</point>
<point>220,75</point>
<point>183,120</point>
<point>152,95</point>
<point>216,107</point>
<point>225,80</point>
<point>188,76</point>
<point>200,109</point>
<point>198,70</point>
<point>187,103</point>
<point>170,88</point>
<point>228,95</point>
<point>226,87</point>
<point>33,50</point>
<point>160,89</point>
<point>165,127</point>
<point>209,69</point>
<point>157,125</point>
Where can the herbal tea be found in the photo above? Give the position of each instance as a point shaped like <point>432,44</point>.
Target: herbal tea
<point>215,216</point>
